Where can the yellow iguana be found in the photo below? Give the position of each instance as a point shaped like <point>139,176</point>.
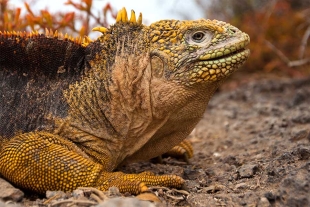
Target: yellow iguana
<point>72,111</point>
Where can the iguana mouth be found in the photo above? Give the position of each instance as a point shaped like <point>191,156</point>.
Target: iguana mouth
<point>234,50</point>
<point>239,55</point>
<point>229,55</point>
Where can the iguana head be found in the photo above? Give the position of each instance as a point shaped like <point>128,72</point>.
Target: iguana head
<point>198,51</point>
<point>187,52</point>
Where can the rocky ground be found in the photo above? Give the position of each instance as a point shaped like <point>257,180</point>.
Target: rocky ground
<point>252,148</point>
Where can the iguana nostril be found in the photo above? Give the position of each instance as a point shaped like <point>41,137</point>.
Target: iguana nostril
<point>233,30</point>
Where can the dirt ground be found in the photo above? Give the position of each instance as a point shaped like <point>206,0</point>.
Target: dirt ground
<point>252,148</point>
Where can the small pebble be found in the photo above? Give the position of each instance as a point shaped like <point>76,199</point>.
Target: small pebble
<point>125,202</point>
<point>263,202</point>
<point>247,171</point>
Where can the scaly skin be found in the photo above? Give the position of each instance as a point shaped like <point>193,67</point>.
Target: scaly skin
<point>72,111</point>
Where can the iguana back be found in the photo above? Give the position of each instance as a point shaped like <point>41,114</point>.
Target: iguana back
<point>34,71</point>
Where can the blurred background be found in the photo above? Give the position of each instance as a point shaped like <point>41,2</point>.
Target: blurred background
<point>279,29</point>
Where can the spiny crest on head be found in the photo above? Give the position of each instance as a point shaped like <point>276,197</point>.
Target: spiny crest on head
<point>122,18</point>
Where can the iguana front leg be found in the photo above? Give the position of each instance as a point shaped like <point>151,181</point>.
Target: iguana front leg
<point>41,161</point>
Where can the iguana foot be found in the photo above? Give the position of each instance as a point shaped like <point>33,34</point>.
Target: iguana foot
<point>184,150</point>
<point>137,183</point>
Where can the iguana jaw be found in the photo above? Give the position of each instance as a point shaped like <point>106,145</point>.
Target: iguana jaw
<point>215,64</point>
<point>218,67</point>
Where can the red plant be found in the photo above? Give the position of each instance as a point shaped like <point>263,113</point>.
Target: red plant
<point>79,22</point>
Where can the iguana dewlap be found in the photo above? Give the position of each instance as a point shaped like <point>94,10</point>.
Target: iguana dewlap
<point>72,111</point>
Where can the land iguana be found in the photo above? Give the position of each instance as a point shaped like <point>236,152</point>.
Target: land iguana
<point>71,111</point>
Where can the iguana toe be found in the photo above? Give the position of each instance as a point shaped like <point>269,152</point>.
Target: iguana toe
<point>184,150</point>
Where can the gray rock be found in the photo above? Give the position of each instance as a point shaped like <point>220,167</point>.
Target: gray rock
<point>9,204</point>
<point>9,192</point>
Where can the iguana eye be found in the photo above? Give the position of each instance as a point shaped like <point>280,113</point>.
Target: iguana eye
<point>198,36</point>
